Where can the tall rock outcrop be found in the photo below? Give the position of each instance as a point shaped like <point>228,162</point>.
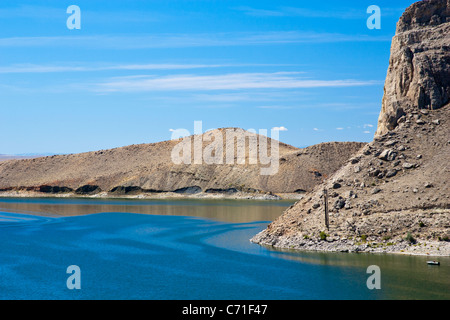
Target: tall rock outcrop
<point>419,67</point>
<point>394,193</point>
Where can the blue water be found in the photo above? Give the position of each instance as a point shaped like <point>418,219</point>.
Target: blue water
<point>125,255</point>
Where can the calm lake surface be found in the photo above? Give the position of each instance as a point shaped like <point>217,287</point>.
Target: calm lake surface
<point>184,249</point>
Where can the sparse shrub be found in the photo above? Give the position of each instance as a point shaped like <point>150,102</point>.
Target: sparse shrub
<point>421,224</point>
<point>410,238</point>
<point>364,237</point>
<point>323,236</point>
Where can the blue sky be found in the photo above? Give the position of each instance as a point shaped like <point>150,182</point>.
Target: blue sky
<point>137,69</point>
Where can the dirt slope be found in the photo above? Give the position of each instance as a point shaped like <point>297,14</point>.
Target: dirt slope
<point>149,168</point>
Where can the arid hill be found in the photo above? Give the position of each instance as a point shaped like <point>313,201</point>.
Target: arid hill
<point>393,195</point>
<point>150,168</point>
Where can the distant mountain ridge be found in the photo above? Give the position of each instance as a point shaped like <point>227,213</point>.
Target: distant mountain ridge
<point>5,157</point>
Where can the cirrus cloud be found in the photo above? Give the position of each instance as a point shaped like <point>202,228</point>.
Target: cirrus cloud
<point>234,81</point>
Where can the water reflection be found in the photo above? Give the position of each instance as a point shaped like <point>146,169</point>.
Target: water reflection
<point>403,276</point>
<point>195,249</point>
<point>236,211</point>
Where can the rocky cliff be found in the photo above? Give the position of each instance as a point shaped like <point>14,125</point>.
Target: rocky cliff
<point>150,169</point>
<point>393,195</point>
<point>419,67</point>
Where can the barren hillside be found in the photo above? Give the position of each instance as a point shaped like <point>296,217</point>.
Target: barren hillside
<point>149,168</point>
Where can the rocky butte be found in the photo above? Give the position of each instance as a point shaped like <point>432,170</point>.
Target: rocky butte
<point>393,194</point>
<point>148,170</point>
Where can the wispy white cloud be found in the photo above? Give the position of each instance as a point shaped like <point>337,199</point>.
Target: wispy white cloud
<point>339,128</point>
<point>230,97</point>
<point>260,12</point>
<point>142,41</point>
<point>341,13</point>
<point>74,67</point>
<point>348,13</point>
<point>263,96</point>
<point>32,12</point>
<point>235,81</point>
<point>275,107</point>
<point>280,128</point>
<point>100,16</point>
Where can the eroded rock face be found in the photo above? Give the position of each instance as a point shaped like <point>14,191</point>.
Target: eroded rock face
<point>419,68</point>
<point>397,184</point>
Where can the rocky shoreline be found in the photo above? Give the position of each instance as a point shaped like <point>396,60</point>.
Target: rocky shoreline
<point>399,246</point>
<point>158,195</point>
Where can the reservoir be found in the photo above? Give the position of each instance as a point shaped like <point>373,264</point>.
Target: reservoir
<point>185,249</point>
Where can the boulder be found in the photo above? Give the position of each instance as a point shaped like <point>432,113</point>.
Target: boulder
<point>388,155</point>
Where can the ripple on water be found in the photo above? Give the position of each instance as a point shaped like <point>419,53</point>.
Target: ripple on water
<point>18,220</point>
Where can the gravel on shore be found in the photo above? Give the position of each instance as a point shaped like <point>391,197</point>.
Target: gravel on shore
<point>393,246</point>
